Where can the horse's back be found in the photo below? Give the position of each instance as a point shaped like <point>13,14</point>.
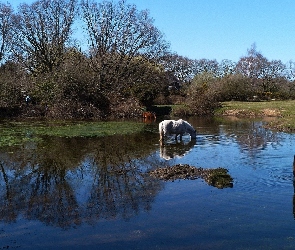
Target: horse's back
<point>177,127</point>
<point>166,125</point>
<point>171,126</point>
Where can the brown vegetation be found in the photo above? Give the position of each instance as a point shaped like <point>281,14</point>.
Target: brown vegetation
<point>115,76</point>
<point>218,177</point>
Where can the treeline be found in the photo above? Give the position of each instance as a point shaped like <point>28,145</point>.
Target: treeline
<point>88,59</point>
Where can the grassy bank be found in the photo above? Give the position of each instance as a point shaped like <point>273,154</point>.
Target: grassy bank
<point>283,110</point>
<point>17,133</point>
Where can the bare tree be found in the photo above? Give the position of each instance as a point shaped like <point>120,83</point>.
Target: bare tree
<point>274,75</point>
<point>5,28</point>
<point>118,33</point>
<point>252,64</point>
<point>181,67</point>
<point>227,68</point>
<point>206,66</point>
<point>41,33</point>
<point>121,28</point>
<point>262,73</point>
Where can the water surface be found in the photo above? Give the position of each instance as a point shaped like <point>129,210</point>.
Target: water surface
<point>96,193</point>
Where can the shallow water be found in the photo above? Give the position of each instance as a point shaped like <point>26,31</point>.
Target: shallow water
<point>96,193</point>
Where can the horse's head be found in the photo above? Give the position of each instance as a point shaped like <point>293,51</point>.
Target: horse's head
<point>190,129</point>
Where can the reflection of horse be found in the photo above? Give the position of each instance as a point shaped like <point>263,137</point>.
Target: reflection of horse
<point>178,149</point>
<point>179,127</point>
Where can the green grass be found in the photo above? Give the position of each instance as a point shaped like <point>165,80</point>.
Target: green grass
<point>17,133</point>
<point>283,110</point>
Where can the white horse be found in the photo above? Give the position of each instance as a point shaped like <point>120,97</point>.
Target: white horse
<point>179,127</point>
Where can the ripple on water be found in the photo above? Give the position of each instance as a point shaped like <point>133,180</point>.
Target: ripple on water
<point>264,173</point>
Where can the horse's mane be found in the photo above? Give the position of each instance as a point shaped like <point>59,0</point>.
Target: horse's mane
<point>188,126</point>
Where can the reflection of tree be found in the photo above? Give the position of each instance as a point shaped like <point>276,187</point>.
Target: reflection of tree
<point>254,136</point>
<point>120,185</point>
<point>42,181</point>
<point>121,190</point>
<point>50,197</point>
<point>250,134</point>
<point>175,149</point>
<point>39,193</point>
<point>8,207</point>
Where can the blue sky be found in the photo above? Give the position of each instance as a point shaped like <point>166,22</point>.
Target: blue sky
<point>223,29</point>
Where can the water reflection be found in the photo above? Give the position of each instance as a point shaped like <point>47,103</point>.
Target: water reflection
<point>294,187</point>
<point>250,135</point>
<point>176,149</point>
<point>294,199</point>
<point>256,137</point>
<point>65,182</point>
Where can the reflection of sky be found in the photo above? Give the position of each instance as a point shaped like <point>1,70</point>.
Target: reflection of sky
<point>262,157</point>
<point>241,149</point>
<point>82,180</point>
<point>188,212</point>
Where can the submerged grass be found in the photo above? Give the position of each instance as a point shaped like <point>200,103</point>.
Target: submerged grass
<point>17,133</point>
<point>283,110</point>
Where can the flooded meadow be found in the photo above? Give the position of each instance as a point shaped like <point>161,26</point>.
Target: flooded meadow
<point>89,185</point>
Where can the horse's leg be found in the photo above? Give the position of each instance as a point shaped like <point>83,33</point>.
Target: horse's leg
<point>180,137</point>
<point>162,135</point>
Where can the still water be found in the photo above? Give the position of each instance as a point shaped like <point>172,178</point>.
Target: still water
<point>96,193</point>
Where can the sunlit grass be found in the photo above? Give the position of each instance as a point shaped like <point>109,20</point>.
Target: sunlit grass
<point>283,110</point>
<point>284,106</point>
<point>16,133</point>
